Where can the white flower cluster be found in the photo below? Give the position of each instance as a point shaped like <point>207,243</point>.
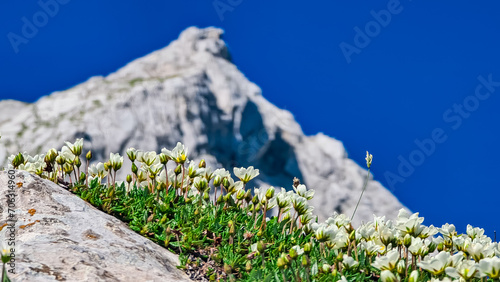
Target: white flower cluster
<point>402,245</point>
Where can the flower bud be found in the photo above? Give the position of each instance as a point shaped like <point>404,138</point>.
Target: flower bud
<point>134,168</point>
<point>340,256</point>
<point>129,178</point>
<point>107,166</point>
<point>240,195</point>
<point>401,267</point>
<point>387,276</point>
<point>178,170</point>
<point>255,200</point>
<point>248,196</point>
<point>202,164</point>
<point>326,268</point>
<point>352,236</point>
<point>60,160</point>
<point>88,156</point>
<point>261,247</point>
<point>78,162</point>
<point>440,246</point>
<point>206,196</point>
<point>413,276</point>
<point>217,180</point>
<point>305,261</point>
<point>18,160</point>
<point>293,254</point>
<point>307,248</point>
<point>51,156</point>
<point>281,263</point>
<point>225,183</point>
<point>407,240</point>
<point>270,192</point>
<point>248,266</point>
<point>163,158</point>
<point>334,272</point>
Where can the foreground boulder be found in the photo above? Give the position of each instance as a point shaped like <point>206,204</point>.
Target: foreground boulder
<point>60,237</point>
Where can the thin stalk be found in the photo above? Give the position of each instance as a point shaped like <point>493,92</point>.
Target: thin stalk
<point>364,188</point>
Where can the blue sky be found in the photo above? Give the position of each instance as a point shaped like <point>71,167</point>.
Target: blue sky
<point>384,76</point>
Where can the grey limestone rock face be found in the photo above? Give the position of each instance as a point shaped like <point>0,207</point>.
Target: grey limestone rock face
<point>191,92</point>
<point>60,237</point>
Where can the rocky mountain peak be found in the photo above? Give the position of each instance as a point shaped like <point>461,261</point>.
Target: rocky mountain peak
<point>191,92</point>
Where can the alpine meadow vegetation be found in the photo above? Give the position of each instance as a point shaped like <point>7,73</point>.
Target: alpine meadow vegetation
<point>224,230</point>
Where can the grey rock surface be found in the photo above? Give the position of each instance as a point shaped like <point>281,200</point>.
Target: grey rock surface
<point>190,91</point>
<point>59,237</point>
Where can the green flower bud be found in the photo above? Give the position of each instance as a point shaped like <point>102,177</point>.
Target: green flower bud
<point>340,257</point>
<point>401,267</point>
<point>88,156</point>
<point>206,196</point>
<point>18,160</point>
<point>261,247</point>
<point>334,272</point>
<point>225,183</point>
<point>270,192</point>
<point>78,162</point>
<point>307,248</point>
<point>440,246</point>
<point>248,196</point>
<point>202,164</point>
<point>281,263</point>
<point>248,266</point>
<point>163,158</point>
<point>129,178</point>
<point>407,240</point>
<point>305,261</point>
<point>217,180</point>
<point>60,160</point>
<point>51,155</point>
<point>352,236</point>
<point>107,166</point>
<point>255,200</point>
<point>240,195</point>
<point>134,168</point>
<point>178,170</point>
<point>293,254</point>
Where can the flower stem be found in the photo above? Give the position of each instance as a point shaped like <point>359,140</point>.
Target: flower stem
<point>364,188</point>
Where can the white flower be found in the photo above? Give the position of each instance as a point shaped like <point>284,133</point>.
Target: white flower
<point>5,253</point>
<point>298,249</point>
<point>387,262</point>
<point>75,148</point>
<point>466,269</point>
<point>387,276</point>
<point>246,174</point>
<point>479,251</point>
<point>436,265</point>
<point>147,158</point>
<point>116,161</point>
<point>490,267</point>
<point>349,262</point>
<point>448,230</point>
<point>132,154</point>
<point>301,190</point>
<point>178,154</point>
<point>324,232</point>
